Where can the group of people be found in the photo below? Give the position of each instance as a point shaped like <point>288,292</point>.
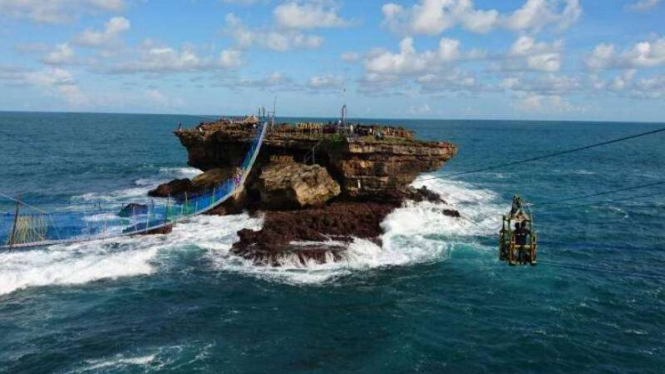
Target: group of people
<point>357,130</point>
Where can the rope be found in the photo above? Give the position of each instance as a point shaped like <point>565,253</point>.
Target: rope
<point>22,203</point>
<point>601,193</point>
<point>556,154</point>
<point>616,200</point>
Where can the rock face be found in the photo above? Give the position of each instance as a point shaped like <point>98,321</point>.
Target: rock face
<point>364,167</point>
<point>291,186</point>
<point>213,178</point>
<point>313,185</point>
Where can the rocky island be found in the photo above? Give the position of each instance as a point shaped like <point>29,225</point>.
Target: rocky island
<point>314,183</point>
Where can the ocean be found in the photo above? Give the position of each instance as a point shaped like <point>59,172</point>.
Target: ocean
<point>433,299</point>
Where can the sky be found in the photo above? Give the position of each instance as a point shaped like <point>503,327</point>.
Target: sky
<point>600,60</point>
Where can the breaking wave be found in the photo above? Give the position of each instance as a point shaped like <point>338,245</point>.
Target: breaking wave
<point>414,233</point>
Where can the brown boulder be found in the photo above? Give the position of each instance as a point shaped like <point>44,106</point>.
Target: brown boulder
<point>213,178</point>
<point>290,186</point>
<point>172,188</point>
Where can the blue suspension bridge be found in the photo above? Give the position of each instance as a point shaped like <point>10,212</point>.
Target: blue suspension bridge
<point>29,226</point>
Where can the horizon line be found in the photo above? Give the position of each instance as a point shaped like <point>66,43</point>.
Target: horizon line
<point>219,116</point>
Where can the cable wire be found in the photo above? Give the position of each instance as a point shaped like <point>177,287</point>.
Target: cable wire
<point>556,154</point>
<point>604,193</point>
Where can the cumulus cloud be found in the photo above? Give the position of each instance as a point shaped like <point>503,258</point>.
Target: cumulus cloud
<point>231,58</point>
<point>534,103</point>
<point>543,85</point>
<point>326,82</point>
<point>57,11</point>
<point>536,14</point>
<point>280,41</point>
<point>308,15</point>
<point>243,2</point>
<point>432,17</point>
<point>158,59</point>
<point>61,54</point>
<point>645,54</point>
<point>60,83</point>
<point>409,61</point>
<point>112,30</point>
<point>540,56</point>
<point>420,110</point>
<point>453,80</point>
<point>642,5</point>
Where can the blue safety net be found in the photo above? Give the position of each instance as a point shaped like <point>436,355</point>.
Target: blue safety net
<point>34,226</point>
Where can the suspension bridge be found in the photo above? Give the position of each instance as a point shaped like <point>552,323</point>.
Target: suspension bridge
<point>29,226</point>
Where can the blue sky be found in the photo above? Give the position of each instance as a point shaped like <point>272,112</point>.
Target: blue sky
<point>457,59</point>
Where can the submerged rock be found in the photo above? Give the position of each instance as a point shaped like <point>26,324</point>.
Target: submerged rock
<point>291,185</point>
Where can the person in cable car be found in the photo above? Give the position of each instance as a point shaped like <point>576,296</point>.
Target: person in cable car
<point>518,246</point>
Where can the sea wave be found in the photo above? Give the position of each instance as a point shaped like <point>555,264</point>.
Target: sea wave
<point>138,192</point>
<point>414,233</point>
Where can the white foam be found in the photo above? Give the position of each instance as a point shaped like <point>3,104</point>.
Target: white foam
<point>414,233</point>
<point>71,264</point>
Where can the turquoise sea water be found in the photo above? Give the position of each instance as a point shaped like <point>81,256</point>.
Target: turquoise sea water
<point>433,299</point>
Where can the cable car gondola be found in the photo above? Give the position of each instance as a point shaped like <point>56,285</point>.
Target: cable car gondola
<point>518,244</point>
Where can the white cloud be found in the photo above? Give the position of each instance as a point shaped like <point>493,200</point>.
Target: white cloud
<point>432,17</point>
<point>622,81</point>
<point>539,56</point>
<point>536,14</point>
<point>351,56</point>
<point>273,82</point>
<point>113,28</point>
<point>60,83</point>
<point>408,61</point>
<point>243,2</point>
<point>280,41</point>
<point>642,5</point>
<point>534,103</point>
<point>157,98</point>
<point>547,85</point>
<point>163,59</point>
<point>326,82</point>
<point>453,80</point>
<point>62,54</point>
<point>420,110</point>
<point>645,54</point>
<point>308,15</point>
<point>57,11</point>
<point>231,58</point>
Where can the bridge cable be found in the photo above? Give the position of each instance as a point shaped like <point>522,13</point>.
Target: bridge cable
<point>543,157</point>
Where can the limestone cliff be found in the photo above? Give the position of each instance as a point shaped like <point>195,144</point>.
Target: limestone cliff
<point>365,167</point>
<point>311,182</point>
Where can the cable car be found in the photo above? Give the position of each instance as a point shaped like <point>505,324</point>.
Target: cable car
<point>518,243</point>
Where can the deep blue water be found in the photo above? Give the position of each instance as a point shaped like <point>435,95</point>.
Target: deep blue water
<point>434,299</point>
